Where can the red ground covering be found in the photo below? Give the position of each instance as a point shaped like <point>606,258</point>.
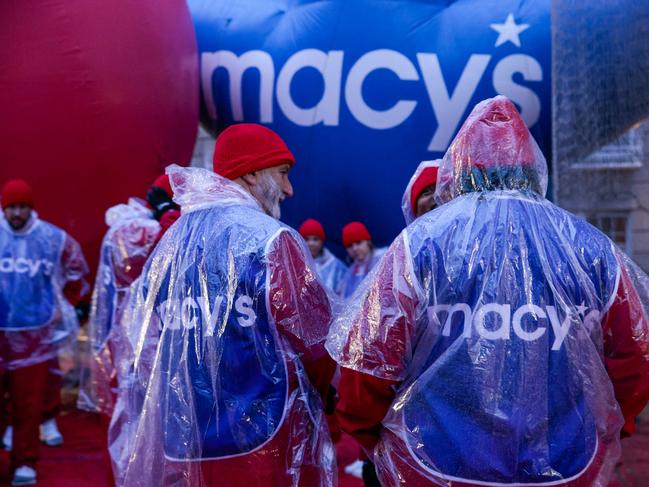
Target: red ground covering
<point>79,462</point>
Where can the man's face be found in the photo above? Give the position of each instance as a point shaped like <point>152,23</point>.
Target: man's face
<point>426,201</point>
<point>17,215</point>
<point>271,188</point>
<point>359,251</point>
<point>315,245</point>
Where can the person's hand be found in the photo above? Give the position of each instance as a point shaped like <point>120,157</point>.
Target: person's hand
<point>160,202</point>
<point>82,310</point>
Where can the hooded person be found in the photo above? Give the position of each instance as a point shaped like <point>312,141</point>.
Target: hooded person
<point>330,269</point>
<point>42,273</point>
<point>133,232</point>
<point>231,353</point>
<point>501,340</point>
<point>360,248</point>
<point>419,196</point>
<point>134,229</point>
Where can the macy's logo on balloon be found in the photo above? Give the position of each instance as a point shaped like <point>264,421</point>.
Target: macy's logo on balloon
<point>448,104</point>
<point>495,321</point>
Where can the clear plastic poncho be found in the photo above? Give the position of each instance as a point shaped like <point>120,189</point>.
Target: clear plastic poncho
<point>230,318</point>
<point>131,237</point>
<point>406,199</point>
<point>357,272</point>
<point>36,263</point>
<point>330,269</point>
<point>515,333</point>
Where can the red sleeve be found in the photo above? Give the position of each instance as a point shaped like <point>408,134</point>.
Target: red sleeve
<point>378,345</point>
<point>301,309</point>
<point>364,402</point>
<point>74,270</point>
<point>167,219</point>
<point>377,333</point>
<point>626,351</point>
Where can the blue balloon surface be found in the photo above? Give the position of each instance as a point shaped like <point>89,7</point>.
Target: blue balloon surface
<point>363,90</point>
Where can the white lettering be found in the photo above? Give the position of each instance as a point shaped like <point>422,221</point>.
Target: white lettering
<point>327,109</point>
<point>560,329</point>
<point>526,99</point>
<point>448,103</point>
<point>502,310</point>
<point>189,313</point>
<point>445,308</point>
<point>243,305</point>
<point>211,316</point>
<point>449,109</point>
<point>21,265</point>
<point>236,66</point>
<point>537,313</point>
<point>499,328</point>
<point>373,60</point>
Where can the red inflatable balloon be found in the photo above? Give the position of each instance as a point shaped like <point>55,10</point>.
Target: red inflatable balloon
<point>96,98</point>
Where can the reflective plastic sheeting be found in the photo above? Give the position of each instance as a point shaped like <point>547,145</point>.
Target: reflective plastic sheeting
<point>516,332</point>
<point>131,237</point>
<point>406,199</point>
<point>330,269</point>
<point>232,323</point>
<point>493,150</point>
<point>36,319</point>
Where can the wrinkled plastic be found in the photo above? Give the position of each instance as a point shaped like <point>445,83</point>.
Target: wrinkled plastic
<point>36,319</point>
<point>131,237</point>
<point>493,150</point>
<point>406,206</point>
<point>511,327</point>
<point>358,271</point>
<point>330,269</point>
<point>228,311</point>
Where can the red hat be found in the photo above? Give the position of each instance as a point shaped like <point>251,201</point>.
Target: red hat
<point>248,147</point>
<point>428,177</point>
<point>163,183</point>
<point>355,232</point>
<point>17,191</point>
<point>312,228</point>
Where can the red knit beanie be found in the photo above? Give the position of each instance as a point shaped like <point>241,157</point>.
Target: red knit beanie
<point>355,232</point>
<point>312,228</point>
<point>248,147</point>
<point>163,183</point>
<point>428,177</point>
<point>17,191</point>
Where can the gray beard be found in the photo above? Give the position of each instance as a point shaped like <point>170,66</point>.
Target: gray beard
<point>269,195</point>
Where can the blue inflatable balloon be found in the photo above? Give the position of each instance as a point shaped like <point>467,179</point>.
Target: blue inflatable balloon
<point>363,90</point>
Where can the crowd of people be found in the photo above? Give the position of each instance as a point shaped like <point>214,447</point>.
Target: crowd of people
<point>499,340</point>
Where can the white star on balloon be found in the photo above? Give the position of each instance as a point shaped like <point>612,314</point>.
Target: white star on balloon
<point>509,31</point>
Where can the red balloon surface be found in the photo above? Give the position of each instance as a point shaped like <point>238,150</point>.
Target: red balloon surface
<point>96,98</point>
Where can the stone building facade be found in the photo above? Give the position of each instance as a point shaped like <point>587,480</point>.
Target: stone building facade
<point>610,189</point>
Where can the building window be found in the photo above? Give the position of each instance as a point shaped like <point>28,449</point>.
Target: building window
<point>623,153</point>
<point>616,226</point>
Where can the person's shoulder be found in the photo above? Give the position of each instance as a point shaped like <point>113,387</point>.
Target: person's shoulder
<point>48,228</point>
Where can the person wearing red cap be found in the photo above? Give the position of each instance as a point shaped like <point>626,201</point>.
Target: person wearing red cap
<point>230,359</point>
<point>329,268</point>
<point>501,340</point>
<point>42,273</point>
<point>419,196</point>
<point>133,232</point>
<point>360,248</point>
